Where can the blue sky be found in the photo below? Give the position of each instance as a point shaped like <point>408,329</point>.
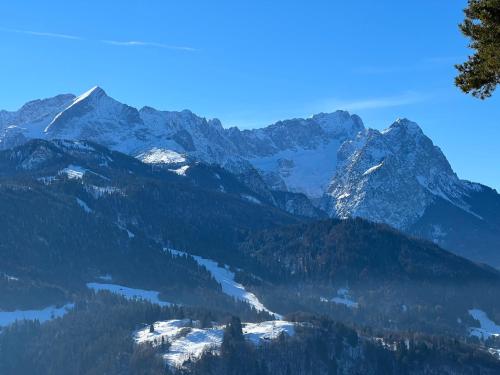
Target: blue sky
<point>251,63</point>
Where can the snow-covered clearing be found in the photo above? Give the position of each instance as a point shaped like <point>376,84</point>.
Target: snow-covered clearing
<point>226,279</point>
<point>42,315</point>
<point>342,298</point>
<point>181,171</point>
<point>130,293</point>
<point>487,328</point>
<point>73,172</point>
<point>161,156</point>
<point>187,340</point>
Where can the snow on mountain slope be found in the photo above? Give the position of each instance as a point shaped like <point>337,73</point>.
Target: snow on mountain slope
<point>393,176</point>
<point>225,278</point>
<point>396,176</point>
<point>298,155</point>
<point>186,133</point>
<point>42,315</point>
<point>96,117</point>
<point>34,116</point>
<point>189,341</point>
<point>301,170</point>
<point>286,152</point>
<point>487,329</point>
<point>161,156</point>
<point>30,120</point>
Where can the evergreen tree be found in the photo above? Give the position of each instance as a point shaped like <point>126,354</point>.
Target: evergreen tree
<point>481,73</point>
<point>233,335</point>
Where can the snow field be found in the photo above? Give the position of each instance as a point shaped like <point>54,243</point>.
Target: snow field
<point>226,279</point>
<point>187,341</point>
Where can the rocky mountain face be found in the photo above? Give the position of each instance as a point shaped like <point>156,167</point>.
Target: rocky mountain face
<point>392,176</point>
<point>329,163</point>
<point>399,177</point>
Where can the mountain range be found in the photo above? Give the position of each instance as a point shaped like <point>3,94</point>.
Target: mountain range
<point>103,245</point>
<point>328,165</point>
<point>75,212</point>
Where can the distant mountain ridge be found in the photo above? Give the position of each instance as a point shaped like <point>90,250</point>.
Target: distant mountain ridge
<point>397,176</point>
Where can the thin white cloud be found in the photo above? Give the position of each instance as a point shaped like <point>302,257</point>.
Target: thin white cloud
<point>41,33</point>
<point>135,43</point>
<point>132,43</point>
<point>374,103</point>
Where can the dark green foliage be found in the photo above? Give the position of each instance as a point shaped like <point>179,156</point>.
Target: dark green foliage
<point>145,361</point>
<point>233,335</point>
<point>355,250</point>
<point>399,283</point>
<point>94,338</point>
<point>321,346</point>
<point>21,293</point>
<point>54,247</point>
<point>235,350</point>
<point>481,73</point>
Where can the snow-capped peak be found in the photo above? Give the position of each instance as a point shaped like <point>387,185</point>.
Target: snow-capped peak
<point>403,124</point>
<point>391,175</point>
<point>339,123</point>
<point>99,118</point>
<point>95,92</point>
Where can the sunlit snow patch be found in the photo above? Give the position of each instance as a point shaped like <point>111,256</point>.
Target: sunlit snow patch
<point>188,341</point>
<point>303,170</point>
<point>251,199</point>
<point>342,298</point>
<point>161,156</point>
<point>74,172</point>
<point>181,171</point>
<point>488,327</point>
<point>130,293</point>
<point>8,277</point>
<point>257,332</point>
<point>226,279</point>
<point>372,169</point>
<point>42,315</point>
